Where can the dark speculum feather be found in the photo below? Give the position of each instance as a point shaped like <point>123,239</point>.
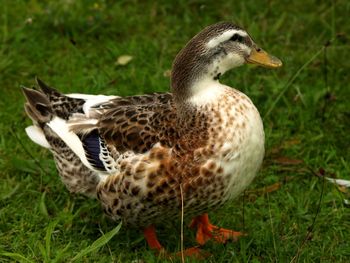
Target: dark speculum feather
<point>91,144</point>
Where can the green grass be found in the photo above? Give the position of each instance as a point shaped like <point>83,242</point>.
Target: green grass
<point>73,45</point>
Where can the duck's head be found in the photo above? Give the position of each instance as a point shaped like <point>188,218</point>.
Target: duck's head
<point>213,51</point>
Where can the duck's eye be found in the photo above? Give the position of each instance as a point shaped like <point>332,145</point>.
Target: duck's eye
<point>237,37</point>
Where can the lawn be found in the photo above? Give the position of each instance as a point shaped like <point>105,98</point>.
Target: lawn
<point>290,212</point>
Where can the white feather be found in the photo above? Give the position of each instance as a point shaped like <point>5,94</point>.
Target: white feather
<point>80,119</point>
<point>206,91</point>
<point>225,36</point>
<point>37,135</point>
<point>61,128</point>
<point>91,100</point>
<point>89,96</point>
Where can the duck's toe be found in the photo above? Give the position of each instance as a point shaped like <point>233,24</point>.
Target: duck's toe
<point>206,231</point>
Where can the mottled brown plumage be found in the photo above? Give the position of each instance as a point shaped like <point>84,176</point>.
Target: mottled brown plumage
<point>143,155</point>
<point>147,188</point>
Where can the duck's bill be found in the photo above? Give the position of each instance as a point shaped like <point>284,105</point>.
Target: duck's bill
<point>261,58</point>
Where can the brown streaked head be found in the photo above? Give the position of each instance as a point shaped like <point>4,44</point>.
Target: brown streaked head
<point>213,51</point>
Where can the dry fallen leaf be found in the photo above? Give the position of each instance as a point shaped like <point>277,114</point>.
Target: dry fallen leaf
<point>123,60</point>
<point>167,73</point>
<point>270,188</point>
<point>287,144</point>
<point>29,21</point>
<point>275,150</point>
<point>343,189</point>
<point>291,142</point>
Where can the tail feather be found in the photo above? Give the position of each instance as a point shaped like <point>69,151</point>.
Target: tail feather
<point>50,102</point>
<point>50,112</point>
<point>31,114</point>
<point>38,107</point>
<point>37,135</point>
<point>48,91</point>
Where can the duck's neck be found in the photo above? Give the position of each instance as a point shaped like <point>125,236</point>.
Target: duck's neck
<point>188,68</point>
<point>195,75</point>
<point>183,82</point>
<point>194,84</point>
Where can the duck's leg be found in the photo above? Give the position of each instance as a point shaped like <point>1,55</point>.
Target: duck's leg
<point>152,241</point>
<point>207,231</point>
<point>151,238</point>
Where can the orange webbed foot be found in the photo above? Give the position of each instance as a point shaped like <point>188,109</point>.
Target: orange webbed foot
<point>152,241</point>
<point>207,231</point>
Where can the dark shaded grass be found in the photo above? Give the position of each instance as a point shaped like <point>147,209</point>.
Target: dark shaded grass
<point>74,45</point>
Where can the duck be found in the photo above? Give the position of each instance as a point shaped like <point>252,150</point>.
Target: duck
<point>148,158</point>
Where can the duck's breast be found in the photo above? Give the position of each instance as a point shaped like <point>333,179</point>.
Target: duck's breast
<point>238,136</point>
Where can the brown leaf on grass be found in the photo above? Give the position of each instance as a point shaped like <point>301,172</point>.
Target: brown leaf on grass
<point>265,189</point>
<point>275,150</point>
<point>291,142</point>
<point>251,194</point>
<point>293,169</point>
<point>343,189</point>
<point>278,148</point>
<point>272,188</point>
<point>287,161</point>
<point>167,73</point>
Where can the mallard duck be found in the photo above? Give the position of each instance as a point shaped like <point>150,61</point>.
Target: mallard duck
<point>141,156</point>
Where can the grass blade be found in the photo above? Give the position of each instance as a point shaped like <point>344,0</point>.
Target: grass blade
<point>48,235</point>
<point>98,243</point>
<point>42,205</point>
<point>61,254</point>
<point>16,256</point>
<point>42,251</point>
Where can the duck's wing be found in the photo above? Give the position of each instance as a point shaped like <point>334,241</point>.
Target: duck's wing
<point>140,124</point>
<point>122,127</point>
<point>101,130</point>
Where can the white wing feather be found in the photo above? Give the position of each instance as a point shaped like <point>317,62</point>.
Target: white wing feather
<point>61,128</point>
<point>37,135</point>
